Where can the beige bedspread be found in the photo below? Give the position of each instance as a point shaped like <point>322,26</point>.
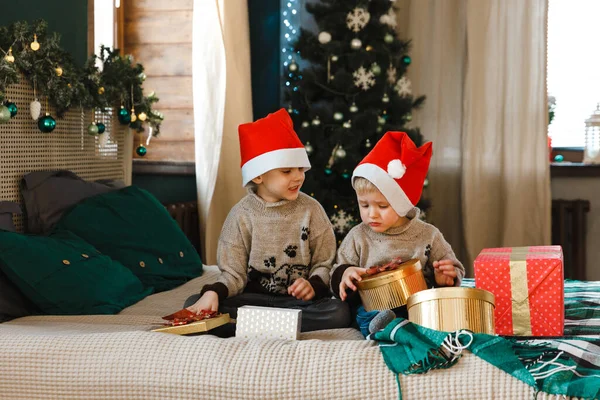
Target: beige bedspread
<point>117,357</point>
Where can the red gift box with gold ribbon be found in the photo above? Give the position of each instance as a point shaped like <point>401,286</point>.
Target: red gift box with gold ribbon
<point>528,284</point>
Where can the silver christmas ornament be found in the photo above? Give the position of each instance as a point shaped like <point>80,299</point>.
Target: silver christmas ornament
<point>316,121</point>
<point>35,108</point>
<point>338,116</point>
<point>353,108</point>
<point>356,44</point>
<point>309,148</point>
<point>340,152</point>
<point>324,37</point>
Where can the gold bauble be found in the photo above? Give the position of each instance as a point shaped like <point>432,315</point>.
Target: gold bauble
<point>142,116</point>
<point>133,117</point>
<point>101,90</point>
<point>59,71</point>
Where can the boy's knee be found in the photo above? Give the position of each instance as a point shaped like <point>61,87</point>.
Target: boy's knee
<point>191,300</point>
<point>340,314</point>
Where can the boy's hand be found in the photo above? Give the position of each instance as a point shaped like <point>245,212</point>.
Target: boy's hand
<point>208,301</point>
<point>444,272</point>
<point>301,289</point>
<point>351,275</point>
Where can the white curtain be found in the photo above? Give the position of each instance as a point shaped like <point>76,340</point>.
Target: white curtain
<point>482,65</point>
<point>222,100</point>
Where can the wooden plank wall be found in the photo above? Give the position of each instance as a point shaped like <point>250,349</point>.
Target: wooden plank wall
<point>158,33</point>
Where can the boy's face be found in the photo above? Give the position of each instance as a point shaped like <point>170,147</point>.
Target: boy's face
<point>376,212</point>
<point>280,184</point>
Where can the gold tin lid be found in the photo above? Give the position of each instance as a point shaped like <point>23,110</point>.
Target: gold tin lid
<point>450,293</point>
<point>383,278</point>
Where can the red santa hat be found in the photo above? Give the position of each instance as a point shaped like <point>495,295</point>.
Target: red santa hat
<point>398,169</point>
<point>270,143</point>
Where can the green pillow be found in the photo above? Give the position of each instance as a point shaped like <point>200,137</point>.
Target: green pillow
<point>133,227</point>
<point>62,274</point>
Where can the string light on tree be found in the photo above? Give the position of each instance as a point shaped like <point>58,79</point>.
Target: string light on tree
<point>35,45</point>
<point>9,56</point>
<point>356,43</point>
<point>305,124</point>
<point>289,34</point>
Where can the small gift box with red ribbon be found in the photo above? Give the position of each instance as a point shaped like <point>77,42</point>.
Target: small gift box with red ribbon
<point>528,285</point>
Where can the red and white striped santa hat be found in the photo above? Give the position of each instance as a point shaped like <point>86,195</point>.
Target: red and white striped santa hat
<point>270,143</point>
<point>397,167</point>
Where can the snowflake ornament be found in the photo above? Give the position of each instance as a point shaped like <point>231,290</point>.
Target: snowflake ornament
<point>389,18</point>
<point>357,19</point>
<point>342,222</point>
<point>403,87</point>
<point>363,79</point>
<point>391,75</point>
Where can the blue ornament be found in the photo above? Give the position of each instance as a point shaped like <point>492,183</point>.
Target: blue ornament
<point>328,171</point>
<point>559,158</point>
<point>46,124</point>
<point>141,150</point>
<point>124,116</point>
<point>101,127</point>
<point>12,107</point>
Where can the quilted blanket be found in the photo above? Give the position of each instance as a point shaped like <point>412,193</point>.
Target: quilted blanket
<point>118,357</point>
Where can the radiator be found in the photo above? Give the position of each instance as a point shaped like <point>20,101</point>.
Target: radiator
<point>186,216</point>
<point>569,231</point>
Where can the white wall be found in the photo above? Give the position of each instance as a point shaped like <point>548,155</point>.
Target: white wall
<point>585,189</point>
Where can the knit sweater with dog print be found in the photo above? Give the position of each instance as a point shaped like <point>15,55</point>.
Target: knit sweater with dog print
<point>264,247</point>
<point>364,248</point>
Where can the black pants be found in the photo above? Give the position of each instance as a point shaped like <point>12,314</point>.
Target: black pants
<point>320,314</point>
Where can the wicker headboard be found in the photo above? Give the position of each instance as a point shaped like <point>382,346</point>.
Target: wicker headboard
<point>24,148</point>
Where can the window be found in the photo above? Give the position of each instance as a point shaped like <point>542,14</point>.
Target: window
<point>573,67</point>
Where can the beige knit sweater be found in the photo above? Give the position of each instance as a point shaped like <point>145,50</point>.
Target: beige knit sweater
<point>365,248</point>
<point>266,246</point>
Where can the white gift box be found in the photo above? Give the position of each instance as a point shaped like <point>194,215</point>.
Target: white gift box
<point>254,322</point>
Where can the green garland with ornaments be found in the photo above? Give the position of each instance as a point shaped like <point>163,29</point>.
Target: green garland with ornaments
<point>30,50</point>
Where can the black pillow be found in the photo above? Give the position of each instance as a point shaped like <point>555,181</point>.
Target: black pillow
<point>13,304</point>
<point>7,209</point>
<point>47,195</point>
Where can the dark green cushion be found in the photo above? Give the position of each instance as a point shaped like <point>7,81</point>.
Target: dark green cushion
<point>62,274</point>
<point>132,226</point>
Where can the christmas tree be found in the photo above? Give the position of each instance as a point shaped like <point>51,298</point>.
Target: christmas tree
<point>352,90</point>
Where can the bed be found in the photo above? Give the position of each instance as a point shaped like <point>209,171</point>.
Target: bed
<point>118,357</point>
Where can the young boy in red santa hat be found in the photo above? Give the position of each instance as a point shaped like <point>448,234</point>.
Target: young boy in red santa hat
<point>388,184</point>
<point>277,244</point>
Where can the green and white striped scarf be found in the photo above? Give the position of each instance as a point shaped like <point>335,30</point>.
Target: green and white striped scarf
<point>568,365</point>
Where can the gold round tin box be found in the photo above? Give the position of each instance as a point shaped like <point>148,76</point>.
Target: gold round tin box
<point>453,308</point>
<point>390,289</point>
